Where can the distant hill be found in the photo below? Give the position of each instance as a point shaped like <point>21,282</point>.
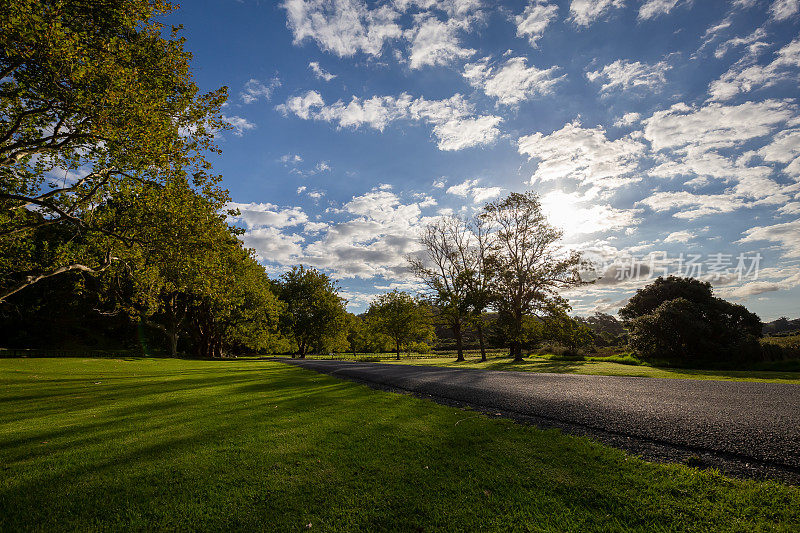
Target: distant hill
<point>782,325</point>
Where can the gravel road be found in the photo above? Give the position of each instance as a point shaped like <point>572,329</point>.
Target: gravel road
<point>743,428</point>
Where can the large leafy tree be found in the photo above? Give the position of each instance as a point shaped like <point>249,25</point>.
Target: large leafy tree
<point>184,252</point>
<point>400,317</point>
<point>96,98</point>
<point>237,309</point>
<point>314,311</point>
<point>529,266</point>
<point>680,318</point>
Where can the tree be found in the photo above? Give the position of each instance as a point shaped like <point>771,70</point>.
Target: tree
<point>94,100</point>
<point>314,309</point>
<point>528,265</point>
<point>606,329</point>
<point>680,318</point>
<point>479,272</point>
<point>444,271</point>
<point>400,317</point>
<point>356,333</point>
<point>567,331</point>
<point>156,282</point>
<point>238,309</point>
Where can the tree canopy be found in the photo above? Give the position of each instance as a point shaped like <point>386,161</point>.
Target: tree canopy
<point>315,314</point>
<point>680,318</point>
<point>401,317</point>
<point>529,268</point>
<point>94,102</point>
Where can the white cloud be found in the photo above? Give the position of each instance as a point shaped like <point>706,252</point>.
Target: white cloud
<point>753,42</point>
<point>257,215</point>
<point>511,82</point>
<point>270,244</point>
<point>585,12</point>
<point>696,142</point>
<point>454,122</point>
<point>533,21</point>
<point>784,148</point>
<point>470,188</point>
<point>692,206</point>
<point>754,288</point>
<point>715,125</point>
<point>680,236</point>
<point>238,124</point>
<point>578,214</point>
<point>291,158</point>
<point>302,105</point>
<point>654,8</point>
<point>787,235</point>
<point>783,9</point>
<point>460,133</point>
<point>624,74</point>
<point>434,42</point>
<point>743,78</point>
<point>627,119</point>
<point>374,241</point>
<point>255,90</point>
<point>319,72</point>
<point>342,27</point>
<point>583,154</point>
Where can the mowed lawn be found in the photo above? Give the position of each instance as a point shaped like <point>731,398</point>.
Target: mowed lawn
<point>601,368</point>
<point>257,445</point>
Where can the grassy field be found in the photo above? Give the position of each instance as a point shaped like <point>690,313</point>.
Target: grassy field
<point>256,445</point>
<point>602,368</point>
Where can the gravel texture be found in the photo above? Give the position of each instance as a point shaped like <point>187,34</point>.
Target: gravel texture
<point>745,429</point>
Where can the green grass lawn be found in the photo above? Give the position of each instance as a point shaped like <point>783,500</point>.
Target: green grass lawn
<point>257,445</point>
<point>603,368</point>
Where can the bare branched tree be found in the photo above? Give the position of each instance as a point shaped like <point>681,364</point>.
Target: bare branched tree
<point>443,270</point>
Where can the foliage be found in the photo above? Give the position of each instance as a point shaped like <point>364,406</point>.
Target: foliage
<point>529,267</point>
<point>567,331</point>
<point>400,317</point>
<point>679,319</point>
<point>606,329</point>
<point>315,315</point>
<point>94,101</point>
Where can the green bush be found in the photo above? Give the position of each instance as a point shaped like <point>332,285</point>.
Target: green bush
<point>419,347</point>
<point>626,359</point>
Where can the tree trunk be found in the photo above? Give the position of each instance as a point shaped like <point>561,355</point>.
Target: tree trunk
<point>173,343</point>
<point>397,346</point>
<point>459,341</point>
<point>516,351</point>
<point>480,341</point>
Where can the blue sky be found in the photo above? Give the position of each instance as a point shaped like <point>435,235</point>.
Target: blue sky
<point>651,128</point>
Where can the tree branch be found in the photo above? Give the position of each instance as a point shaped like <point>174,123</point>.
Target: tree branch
<point>30,280</point>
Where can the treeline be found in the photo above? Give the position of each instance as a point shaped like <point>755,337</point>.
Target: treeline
<point>113,227</point>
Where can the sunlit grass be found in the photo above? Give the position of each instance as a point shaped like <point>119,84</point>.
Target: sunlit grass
<point>257,445</point>
<point>604,368</point>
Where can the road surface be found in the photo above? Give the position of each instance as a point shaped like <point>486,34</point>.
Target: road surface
<point>741,427</point>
